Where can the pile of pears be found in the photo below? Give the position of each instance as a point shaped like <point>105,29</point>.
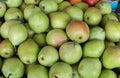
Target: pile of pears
<point>57,39</point>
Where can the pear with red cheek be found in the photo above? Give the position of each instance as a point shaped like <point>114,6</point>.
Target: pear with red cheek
<point>56,37</point>
<point>77,31</point>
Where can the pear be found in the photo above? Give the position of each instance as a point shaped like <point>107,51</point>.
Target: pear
<point>56,37</point>
<point>70,52</point>
<point>29,30</point>
<point>6,49</point>
<point>75,12</point>
<point>59,19</point>
<point>39,22</point>
<point>63,5</point>
<point>48,6</point>
<point>27,51</point>
<point>109,43</point>
<point>107,17</point>
<point>112,30</point>
<point>12,68</point>
<point>29,10</point>
<point>97,32</point>
<point>23,6</point>
<point>40,39</point>
<point>13,4</point>
<point>48,55</point>
<point>77,31</point>
<point>17,34</point>
<point>13,13</point>
<point>37,71</point>
<point>89,68</point>
<point>3,9</point>
<point>60,70</point>
<point>4,29</point>
<point>34,2</point>
<point>92,16</point>
<point>107,73</point>
<point>75,70</point>
<point>82,5</point>
<point>58,1</point>
<point>104,6</point>
<point>93,48</point>
<point>111,53</point>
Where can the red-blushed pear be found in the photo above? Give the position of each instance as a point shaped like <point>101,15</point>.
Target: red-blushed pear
<point>77,31</point>
<point>56,37</point>
<point>91,2</point>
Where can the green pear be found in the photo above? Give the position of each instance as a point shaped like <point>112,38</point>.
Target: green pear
<point>92,16</point>
<point>63,5</point>
<point>23,6</point>
<point>28,2</point>
<point>111,54</point>
<point>58,1</point>
<point>13,13</point>
<point>48,55</point>
<point>13,3</point>
<point>29,30</point>
<point>107,17</point>
<point>12,68</point>
<point>107,73</point>
<point>37,71</point>
<point>40,39</point>
<point>75,12</point>
<point>6,49</point>
<point>3,9</point>
<point>93,48</point>
<point>89,68</point>
<point>6,26</point>
<point>112,30</point>
<point>28,51</point>
<point>59,19</point>
<point>60,70</point>
<point>17,34</point>
<point>109,43</point>
<point>82,5</point>
<point>39,22</point>
<point>56,37</point>
<point>77,31</point>
<point>97,32</point>
<point>75,70</point>
<point>104,6</point>
<point>30,9</point>
<point>70,52</point>
<point>48,6</point>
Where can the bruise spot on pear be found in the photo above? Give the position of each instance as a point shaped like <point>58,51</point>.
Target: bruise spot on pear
<point>28,62</point>
<point>42,58</point>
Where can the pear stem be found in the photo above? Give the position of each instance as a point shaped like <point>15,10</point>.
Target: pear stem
<point>9,75</point>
